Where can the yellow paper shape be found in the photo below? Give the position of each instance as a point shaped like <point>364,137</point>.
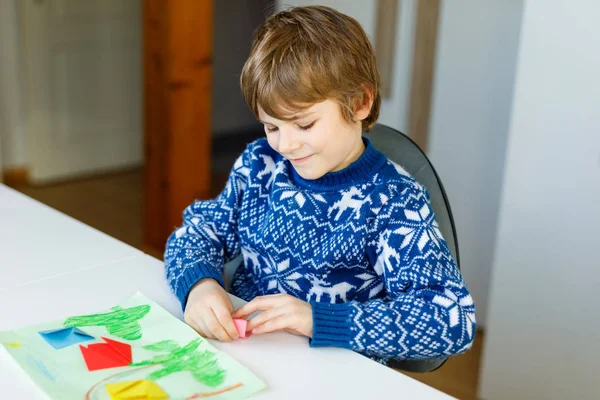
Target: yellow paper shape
<point>15,344</point>
<point>135,390</point>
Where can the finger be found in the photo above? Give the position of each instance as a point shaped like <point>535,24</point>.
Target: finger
<point>248,308</point>
<point>191,321</point>
<point>224,317</point>
<point>293,332</point>
<point>273,325</point>
<point>203,330</point>
<point>215,328</point>
<point>260,303</point>
<point>195,324</point>
<point>228,304</point>
<point>262,318</point>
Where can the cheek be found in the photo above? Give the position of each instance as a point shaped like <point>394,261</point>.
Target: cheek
<point>272,140</point>
<point>332,141</point>
<point>317,140</point>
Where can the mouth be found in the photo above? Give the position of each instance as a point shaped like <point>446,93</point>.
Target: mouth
<point>299,160</point>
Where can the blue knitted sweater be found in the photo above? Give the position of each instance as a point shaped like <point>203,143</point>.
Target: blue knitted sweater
<point>361,245</point>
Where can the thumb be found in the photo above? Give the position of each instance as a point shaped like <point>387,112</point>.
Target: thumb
<point>227,302</point>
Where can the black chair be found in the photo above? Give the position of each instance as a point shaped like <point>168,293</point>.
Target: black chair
<point>400,149</point>
<point>403,151</point>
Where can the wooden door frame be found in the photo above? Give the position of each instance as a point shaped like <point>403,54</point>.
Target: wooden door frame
<point>177,109</point>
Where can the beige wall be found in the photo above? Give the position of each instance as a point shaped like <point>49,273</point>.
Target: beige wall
<point>12,123</point>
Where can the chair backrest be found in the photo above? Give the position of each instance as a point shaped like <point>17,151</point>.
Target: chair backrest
<point>400,149</point>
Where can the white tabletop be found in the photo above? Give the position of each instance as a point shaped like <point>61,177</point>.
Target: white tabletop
<point>289,367</point>
<point>38,242</point>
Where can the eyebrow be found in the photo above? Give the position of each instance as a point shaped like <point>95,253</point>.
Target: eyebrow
<point>294,118</point>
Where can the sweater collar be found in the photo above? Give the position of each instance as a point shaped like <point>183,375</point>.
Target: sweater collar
<point>361,170</point>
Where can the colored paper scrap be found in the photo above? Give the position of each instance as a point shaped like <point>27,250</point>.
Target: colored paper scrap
<point>139,390</point>
<point>111,354</point>
<point>64,337</point>
<point>241,325</point>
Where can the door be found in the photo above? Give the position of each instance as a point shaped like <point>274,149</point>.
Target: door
<point>177,111</point>
<point>83,73</point>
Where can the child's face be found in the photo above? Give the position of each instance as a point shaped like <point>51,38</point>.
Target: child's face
<point>318,141</point>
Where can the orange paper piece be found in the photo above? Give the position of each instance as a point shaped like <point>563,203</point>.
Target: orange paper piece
<point>111,354</point>
<point>241,325</point>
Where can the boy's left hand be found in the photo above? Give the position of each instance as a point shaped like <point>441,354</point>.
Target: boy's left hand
<point>280,312</point>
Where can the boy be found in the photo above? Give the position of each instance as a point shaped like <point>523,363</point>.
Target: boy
<point>339,244</point>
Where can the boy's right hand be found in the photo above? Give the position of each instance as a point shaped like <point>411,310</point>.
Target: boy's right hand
<point>208,311</point>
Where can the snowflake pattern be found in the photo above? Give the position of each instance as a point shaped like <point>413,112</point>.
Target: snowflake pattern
<point>371,249</point>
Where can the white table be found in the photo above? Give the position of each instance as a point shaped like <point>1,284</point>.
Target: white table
<point>40,242</point>
<point>109,272</point>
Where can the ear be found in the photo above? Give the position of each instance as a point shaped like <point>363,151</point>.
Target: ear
<point>364,104</point>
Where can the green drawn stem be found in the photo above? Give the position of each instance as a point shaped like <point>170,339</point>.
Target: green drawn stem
<point>120,322</point>
<point>203,365</point>
<point>163,346</point>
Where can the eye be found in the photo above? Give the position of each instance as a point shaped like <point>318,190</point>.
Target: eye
<point>271,129</point>
<point>307,127</point>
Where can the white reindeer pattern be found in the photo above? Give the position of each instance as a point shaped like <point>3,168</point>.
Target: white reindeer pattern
<point>319,288</point>
<point>348,201</point>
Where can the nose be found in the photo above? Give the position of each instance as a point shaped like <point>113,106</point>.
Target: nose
<point>287,142</point>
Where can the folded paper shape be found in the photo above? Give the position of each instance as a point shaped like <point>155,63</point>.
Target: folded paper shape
<point>111,354</point>
<point>138,390</point>
<point>241,325</point>
<point>64,337</point>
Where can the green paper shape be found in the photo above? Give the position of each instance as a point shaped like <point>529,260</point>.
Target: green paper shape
<point>166,351</point>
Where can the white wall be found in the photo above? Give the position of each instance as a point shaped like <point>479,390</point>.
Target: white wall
<point>473,81</point>
<point>12,122</point>
<point>543,335</point>
<point>394,110</point>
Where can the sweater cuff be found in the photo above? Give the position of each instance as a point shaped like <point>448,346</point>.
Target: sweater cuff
<point>332,325</point>
<point>192,276</point>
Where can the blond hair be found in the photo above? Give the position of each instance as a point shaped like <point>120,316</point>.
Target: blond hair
<point>306,55</point>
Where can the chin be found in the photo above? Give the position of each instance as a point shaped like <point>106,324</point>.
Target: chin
<point>310,175</point>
